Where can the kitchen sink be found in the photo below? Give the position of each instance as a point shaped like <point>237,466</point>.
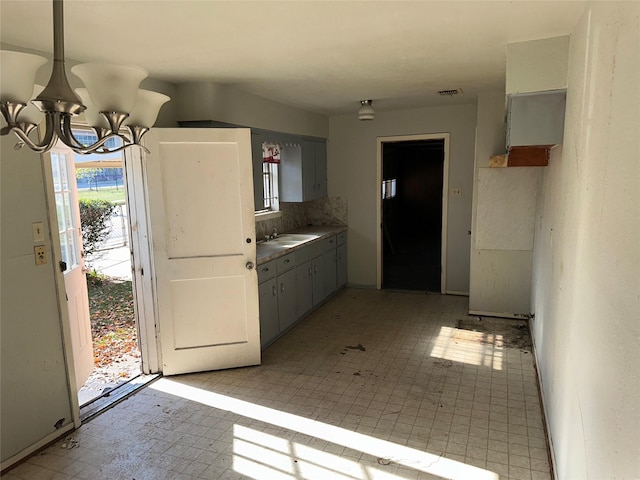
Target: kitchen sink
<point>295,237</point>
<point>290,239</point>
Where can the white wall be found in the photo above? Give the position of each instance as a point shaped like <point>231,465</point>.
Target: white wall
<point>352,172</point>
<point>222,103</point>
<point>586,277</point>
<point>34,391</point>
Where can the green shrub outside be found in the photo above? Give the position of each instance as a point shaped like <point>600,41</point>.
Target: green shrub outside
<point>94,218</point>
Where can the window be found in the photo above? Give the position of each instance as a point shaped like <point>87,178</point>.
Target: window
<point>388,189</point>
<point>62,169</point>
<point>87,138</point>
<point>270,163</point>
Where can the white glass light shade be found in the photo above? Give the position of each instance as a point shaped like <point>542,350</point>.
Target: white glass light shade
<point>366,111</point>
<point>18,74</point>
<point>32,114</point>
<point>113,88</point>
<point>91,114</point>
<point>147,107</point>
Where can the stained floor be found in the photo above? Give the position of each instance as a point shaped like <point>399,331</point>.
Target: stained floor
<point>373,385</point>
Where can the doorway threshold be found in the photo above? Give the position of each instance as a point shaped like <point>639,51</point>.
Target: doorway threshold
<point>114,396</point>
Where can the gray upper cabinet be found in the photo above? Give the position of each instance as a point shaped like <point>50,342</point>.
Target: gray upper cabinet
<point>257,139</point>
<point>303,171</point>
<point>535,119</point>
<point>321,169</point>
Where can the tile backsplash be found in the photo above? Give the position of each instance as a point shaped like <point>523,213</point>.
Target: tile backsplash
<point>323,211</point>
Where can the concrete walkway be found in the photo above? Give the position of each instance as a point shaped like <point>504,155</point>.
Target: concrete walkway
<point>115,262</point>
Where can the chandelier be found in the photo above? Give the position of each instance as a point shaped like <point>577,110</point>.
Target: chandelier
<point>110,101</point>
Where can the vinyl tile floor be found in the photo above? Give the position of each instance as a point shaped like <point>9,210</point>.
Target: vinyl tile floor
<point>373,385</point>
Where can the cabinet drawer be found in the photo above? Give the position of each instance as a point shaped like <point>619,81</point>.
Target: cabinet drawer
<point>312,251</point>
<point>342,238</point>
<point>266,271</point>
<point>287,262</point>
<point>330,243</point>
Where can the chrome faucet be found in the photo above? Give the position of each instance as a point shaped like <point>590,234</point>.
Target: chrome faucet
<point>274,234</point>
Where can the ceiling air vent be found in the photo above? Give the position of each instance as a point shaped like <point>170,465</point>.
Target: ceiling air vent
<point>450,93</point>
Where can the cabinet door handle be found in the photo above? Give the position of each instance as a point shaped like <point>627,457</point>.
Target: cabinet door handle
<point>315,269</point>
<point>265,269</point>
<point>274,291</point>
<point>310,271</point>
<point>282,288</point>
<point>287,261</point>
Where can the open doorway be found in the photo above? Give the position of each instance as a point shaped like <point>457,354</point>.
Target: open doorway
<point>90,197</point>
<point>413,213</point>
<point>105,231</point>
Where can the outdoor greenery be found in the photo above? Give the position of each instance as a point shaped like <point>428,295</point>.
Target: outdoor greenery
<point>94,217</point>
<point>111,194</point>
<point>112,319</point>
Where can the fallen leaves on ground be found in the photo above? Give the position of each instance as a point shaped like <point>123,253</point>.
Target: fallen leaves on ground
<point>113,325</point>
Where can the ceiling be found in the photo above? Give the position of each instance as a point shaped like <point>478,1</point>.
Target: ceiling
<point>322,56</point>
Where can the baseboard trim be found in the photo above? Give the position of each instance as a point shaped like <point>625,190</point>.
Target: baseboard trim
<point>519,316</point>
<point>457,292</point>
<point>31,449</point>
<point>545,422</point>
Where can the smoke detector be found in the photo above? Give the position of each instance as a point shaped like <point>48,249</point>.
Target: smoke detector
<point>450,93</point>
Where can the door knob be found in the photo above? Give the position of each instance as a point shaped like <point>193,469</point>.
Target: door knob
<point>249,265</point>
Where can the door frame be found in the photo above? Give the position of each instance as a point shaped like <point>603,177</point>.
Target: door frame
<point>143,273</point>
<point>446,137</point>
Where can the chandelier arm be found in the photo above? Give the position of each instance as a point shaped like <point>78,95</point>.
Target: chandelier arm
<point>67,133</point>
<point>99,145</point>
<point>50,137</point>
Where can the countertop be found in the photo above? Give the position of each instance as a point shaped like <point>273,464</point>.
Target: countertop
<point>270,250</point>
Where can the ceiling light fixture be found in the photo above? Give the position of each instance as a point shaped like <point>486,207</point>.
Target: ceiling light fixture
<point>111,100</point>
<point>366,111</point>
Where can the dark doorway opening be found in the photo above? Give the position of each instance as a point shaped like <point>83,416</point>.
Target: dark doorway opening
<point>412,176</point>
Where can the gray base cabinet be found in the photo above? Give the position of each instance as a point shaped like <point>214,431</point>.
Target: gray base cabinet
<point>269,328</point>
<point>317,265</point>
<point>304,288</point>
<point>341,266</point>
<point>287,301</point>
<point>292,285</point>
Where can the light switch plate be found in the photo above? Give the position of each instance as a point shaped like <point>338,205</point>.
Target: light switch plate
<point>41,254</point>
<point>38,232</point>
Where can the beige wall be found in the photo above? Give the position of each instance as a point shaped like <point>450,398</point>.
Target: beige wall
<point>34,392</point>
<point>586,274</point>
<point>352,160</point>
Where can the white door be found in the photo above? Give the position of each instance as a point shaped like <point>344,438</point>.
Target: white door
<point>200,186</point>
<point>75,283</point>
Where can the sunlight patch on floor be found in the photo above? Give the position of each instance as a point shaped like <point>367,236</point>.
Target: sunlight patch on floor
<point>261,455</point>
<point>466,346</point>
